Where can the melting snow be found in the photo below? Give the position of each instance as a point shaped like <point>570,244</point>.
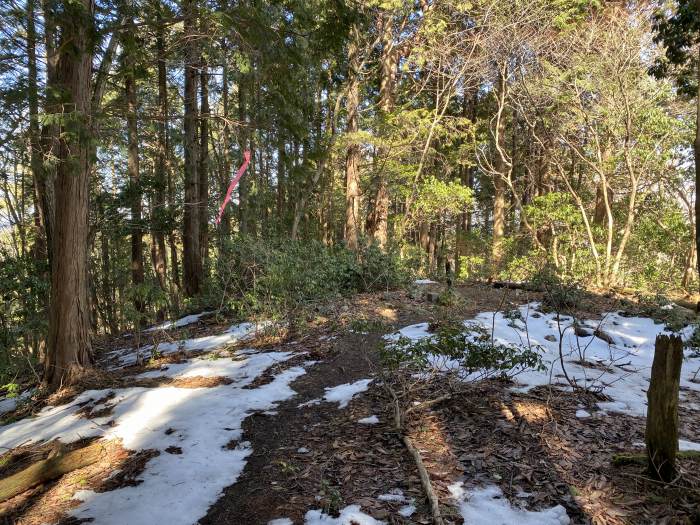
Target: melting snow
<point>489,505</point>
<point>621,369</point>
<point>203,422</point>
<point>350,515</point>
<point>11,403</point>
<point>184,321</point>
<point>423,281</point>
<point>407,511</point>
<point>234,334</point>
<point>686,446</point>
<point>371,420</point>
<point>394,495</point>
<point>582,414</point>
<point>343,394</point>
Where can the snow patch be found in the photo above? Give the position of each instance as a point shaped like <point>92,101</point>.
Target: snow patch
<point>201,421</point>
<point>582,414</point>
<point>350,515</point>
<point>407,511</point>
<point>394,495</point>
<point>686,446</point>
<point>489,505</point>
<point>622,369</point>
<point>184,321</point>
<point>371,420</point>
<point>423,282</point>
<point>234,334</point>
<point>343,394</point>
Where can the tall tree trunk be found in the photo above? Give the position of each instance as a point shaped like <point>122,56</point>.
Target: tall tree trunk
<point>203,172</point>
<point>36,163</point>
<point>352,159</point>
<point>281,182</point>
<point>190,233</point>
<point>379,216</point>
<point>243,185</point>
<point>137,271</point>
<point>158,252</point>
<point>49,131</point>
<point>499,185</point>
<point>69,350</point>
<point>696,150</point>
<point>466,175</point>
<point>226,149</point>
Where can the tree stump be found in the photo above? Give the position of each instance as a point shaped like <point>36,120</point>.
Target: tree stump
<point>662,412</point>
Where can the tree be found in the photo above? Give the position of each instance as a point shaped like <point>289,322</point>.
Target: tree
<point>192,255</point>
<point>352,159</point>
<point>129,49</point>
<point>679,32</point>
<point>69,350</point>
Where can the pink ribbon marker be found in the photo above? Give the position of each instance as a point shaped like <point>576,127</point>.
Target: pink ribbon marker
<point>234,183</point>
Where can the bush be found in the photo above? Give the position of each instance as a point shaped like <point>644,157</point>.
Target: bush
<point>276,276</point>
<point>560,295</point>
<point>470,347</point>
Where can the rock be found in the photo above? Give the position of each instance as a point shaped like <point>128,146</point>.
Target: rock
<point>551,338</point>
<point>600,334</point>
<point>580,331</point>
<point>432,297</point>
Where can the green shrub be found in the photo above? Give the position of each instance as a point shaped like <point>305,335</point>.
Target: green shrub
<point>470,346</point>
<point>276,276</point>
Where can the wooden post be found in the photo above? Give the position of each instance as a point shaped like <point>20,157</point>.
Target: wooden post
<point>662,413</point>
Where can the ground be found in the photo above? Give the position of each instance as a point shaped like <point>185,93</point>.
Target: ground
<point>274,443</point>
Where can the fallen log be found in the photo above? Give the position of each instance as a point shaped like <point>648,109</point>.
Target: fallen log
<point>57,464</point>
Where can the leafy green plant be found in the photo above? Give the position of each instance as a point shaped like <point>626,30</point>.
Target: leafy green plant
<point>470,347</point>
<point>274,277</point>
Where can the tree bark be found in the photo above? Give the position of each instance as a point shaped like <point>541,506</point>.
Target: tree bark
<point>137,270</point>
<point>499,186</point>
<point>243,185</point>
<point>158,252</point>
<point>69,350</point>
<point>36,162</point>
<point>379,217</point>
<point>203,171</point>
<point>662,415</point>
<point>352,159</point>
<point>190,233</point>
<point>696,151</point>
<point>226,149</point>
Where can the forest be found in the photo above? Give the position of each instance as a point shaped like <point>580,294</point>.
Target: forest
<point>403,261</point>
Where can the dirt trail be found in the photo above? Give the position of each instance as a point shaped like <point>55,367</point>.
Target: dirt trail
<point>319,456</point>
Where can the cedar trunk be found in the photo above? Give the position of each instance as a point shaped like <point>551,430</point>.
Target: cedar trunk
<point>69,350</point>
<point>203,170</point>
<point>137,271</point>
<point>190,233</point>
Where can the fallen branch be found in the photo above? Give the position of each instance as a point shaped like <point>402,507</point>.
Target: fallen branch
<point>56,465</point>
<point>399,419</point>
<point>427,404</point>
